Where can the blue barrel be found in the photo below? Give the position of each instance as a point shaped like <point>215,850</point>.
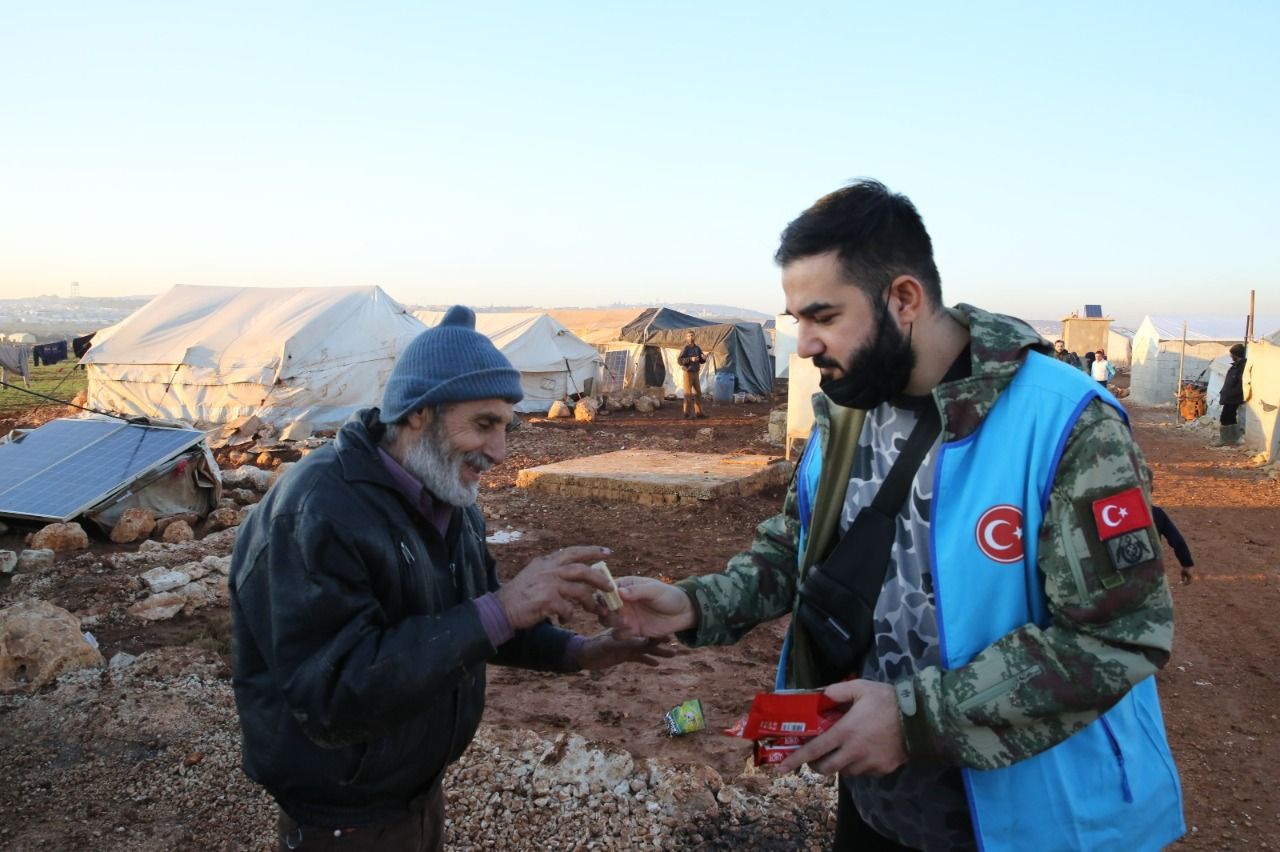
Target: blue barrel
<point>722,388</point>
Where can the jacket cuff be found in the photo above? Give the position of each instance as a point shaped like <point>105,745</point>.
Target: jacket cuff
<point>494,619</point>
<point>919,721</point>
<point>690,637</point>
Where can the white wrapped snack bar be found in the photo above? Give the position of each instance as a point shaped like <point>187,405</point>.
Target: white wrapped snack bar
<point>611,598</point>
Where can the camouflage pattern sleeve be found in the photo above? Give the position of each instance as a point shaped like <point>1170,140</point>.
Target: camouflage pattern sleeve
<point>1111,624</point>
<point>758,585</point>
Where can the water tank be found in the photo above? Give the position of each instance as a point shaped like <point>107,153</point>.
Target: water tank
<point>722,388</point>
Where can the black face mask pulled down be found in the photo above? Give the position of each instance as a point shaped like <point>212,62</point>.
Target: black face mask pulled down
<point>877,372</point>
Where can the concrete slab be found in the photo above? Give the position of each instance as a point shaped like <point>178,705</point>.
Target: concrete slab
<point>652,477</point>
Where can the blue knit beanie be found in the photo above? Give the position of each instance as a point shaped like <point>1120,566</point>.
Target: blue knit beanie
<point>451,362</point>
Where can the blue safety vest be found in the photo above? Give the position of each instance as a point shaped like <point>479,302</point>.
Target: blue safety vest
<point>1113,784</point>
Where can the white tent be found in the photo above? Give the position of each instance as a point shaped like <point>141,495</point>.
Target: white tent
<point>553,362</point>
<point>208,355</point>
<point>1158,349</point>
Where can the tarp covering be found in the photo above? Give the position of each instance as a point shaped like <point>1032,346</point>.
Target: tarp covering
<point>740,348</point>
<point>207,355</point>
<point>552,361</point>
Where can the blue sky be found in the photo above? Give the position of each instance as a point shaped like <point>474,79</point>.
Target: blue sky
<point>590,153</point>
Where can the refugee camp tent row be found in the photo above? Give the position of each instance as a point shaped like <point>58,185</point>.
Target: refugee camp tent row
<point>553,362</point>
<point>301,357</point>
<point>640,349</point>
<point>1158,349</point>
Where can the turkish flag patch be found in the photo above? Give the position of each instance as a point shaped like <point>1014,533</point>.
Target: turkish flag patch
<point>1121,513</point>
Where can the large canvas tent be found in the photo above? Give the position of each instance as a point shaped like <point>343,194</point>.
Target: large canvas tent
<point>1262,387</point>
<point>1158,349</point>
<point>738,348</point>
<point>304,356</point>
<point>552,361</point>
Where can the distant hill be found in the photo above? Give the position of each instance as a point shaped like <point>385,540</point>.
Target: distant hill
<point>716,313</point>
<point>52,318</point>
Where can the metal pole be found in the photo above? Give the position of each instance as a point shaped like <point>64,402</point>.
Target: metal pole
<point>1248,329</point>
<point>1181,358</point>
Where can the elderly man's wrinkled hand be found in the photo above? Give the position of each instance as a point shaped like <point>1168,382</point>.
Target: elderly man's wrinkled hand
<point>607,649</point>
<point>552,585</point>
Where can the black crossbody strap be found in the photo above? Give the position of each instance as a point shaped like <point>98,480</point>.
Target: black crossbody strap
<point>893,491</point>
<point>848,559</point>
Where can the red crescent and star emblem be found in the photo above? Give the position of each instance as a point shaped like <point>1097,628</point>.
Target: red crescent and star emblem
<point>999,533</point>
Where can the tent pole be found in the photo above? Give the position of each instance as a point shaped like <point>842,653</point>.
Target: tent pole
<point>1248,329</point>
<point>1181,358</point>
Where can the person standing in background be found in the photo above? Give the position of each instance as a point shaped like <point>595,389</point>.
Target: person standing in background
<point>1232,397</point>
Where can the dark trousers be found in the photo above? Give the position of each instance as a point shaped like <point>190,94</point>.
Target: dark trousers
<point>854,835</point>
<point>1228,413</point>
<point>419,830</point>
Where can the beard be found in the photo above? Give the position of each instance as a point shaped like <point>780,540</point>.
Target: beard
<point>438,466</point>
<point>877,371</point>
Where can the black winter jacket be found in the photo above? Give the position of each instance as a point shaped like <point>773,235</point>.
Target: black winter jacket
<point>359,661</point>
<point>1233,384</point>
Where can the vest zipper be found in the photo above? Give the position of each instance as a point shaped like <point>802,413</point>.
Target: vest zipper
<point>998,689</point>
<point>1119,754</point>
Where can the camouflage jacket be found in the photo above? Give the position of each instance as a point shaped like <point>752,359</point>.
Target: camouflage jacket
<point>1108,629</point>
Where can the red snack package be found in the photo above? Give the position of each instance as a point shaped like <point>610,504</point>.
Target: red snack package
<point>780,722</point>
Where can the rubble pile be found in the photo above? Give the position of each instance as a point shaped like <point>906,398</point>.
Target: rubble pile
<point>144,755</point>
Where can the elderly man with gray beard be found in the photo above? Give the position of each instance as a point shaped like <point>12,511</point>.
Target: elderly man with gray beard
<point>365,605</point>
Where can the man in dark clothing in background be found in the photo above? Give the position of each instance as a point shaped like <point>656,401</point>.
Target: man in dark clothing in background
<point>1065,355</point>
<point>365,605</point>
<point>692,359</point>
<point>1232,397</point>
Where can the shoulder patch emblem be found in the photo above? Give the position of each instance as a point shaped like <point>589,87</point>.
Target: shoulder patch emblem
<point>1121,513</point>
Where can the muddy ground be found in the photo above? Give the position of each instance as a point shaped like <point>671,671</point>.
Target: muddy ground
<point>1220,690</point>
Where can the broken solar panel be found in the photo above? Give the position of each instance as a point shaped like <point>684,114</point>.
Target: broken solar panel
<point>67,467</point>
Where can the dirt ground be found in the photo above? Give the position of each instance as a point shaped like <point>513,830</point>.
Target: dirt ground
<point>1220,690</point>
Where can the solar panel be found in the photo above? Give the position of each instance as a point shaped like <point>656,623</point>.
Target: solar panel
<point>615,371</point>
<point>65,467</point>
<point>1093,311</point>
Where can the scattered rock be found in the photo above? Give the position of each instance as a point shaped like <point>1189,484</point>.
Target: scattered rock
<point>39,642</point>
<point>35,559</point>
<point>8,561</point>
<point>570,759</point>
<point>645,404</point>
<point>162,524</point>
<point>177,531</point>
<point>134,525</point>
<point>164,580</point>
<point>585,411</point>
<point>558,409</point>
<point>246,476</point>
<point>242,496</point>
<point>246,511</point>
<point>778,426</point>
<point>159,607</point>
<point>613,404</point>
<point>121,660</point>
<point>689,793</point>
<point>706,433</point>
<point>266,461</point>
<point>61,538</point>
<point>220,519</point>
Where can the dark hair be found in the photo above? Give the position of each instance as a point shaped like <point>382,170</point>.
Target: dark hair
<point>877,234</point>
<point>1237,350</point>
